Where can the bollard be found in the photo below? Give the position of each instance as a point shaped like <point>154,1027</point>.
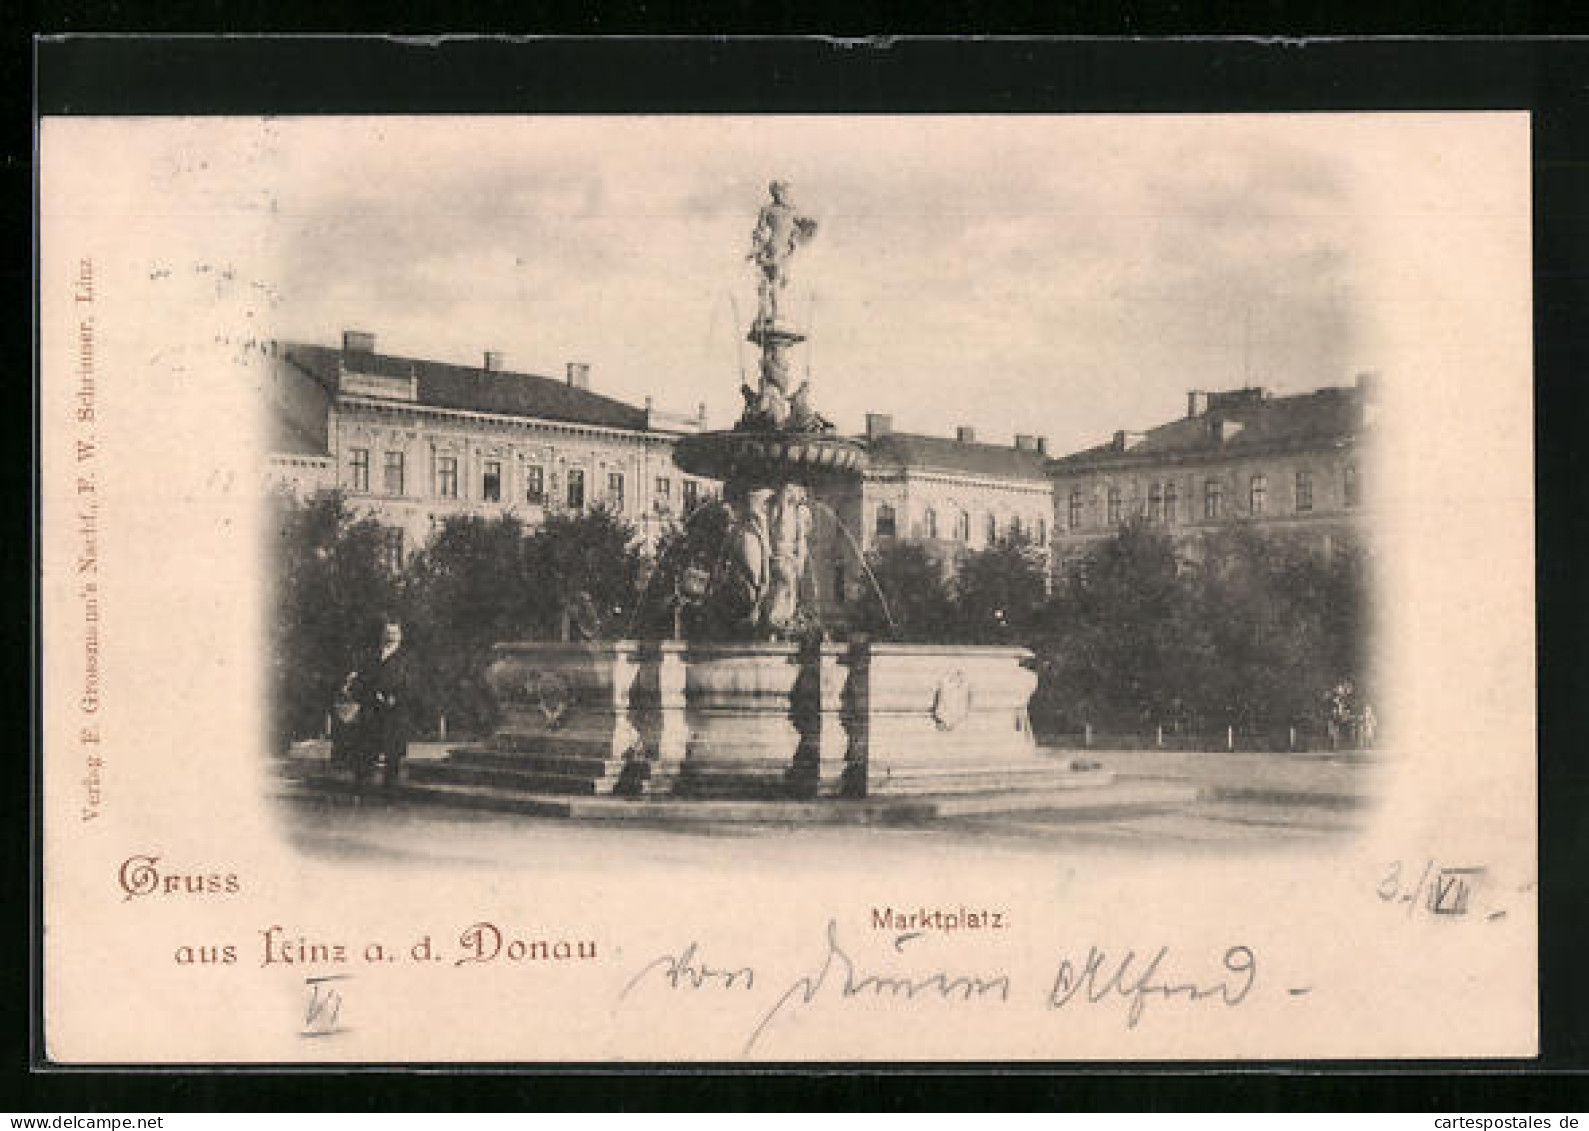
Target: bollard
<point>1230,738</point>
<point>327,732</point>
<point>1291,743</point>
<point>441,726</point>
<point>1159,738</point>
<point>1087,740</point>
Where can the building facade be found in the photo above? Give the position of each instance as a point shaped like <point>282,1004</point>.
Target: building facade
<point>412,442</point>
<point>1291,466</point>
<point>951,495</point>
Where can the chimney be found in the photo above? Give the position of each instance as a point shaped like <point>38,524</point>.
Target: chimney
<point>1042,445</point>
<point>357,341</point>
<point>1196,403</point>
<point>1025,442</point>
<point>700,412</point>
<point>493,361</point>
<point>878,424</point>
<point>579,375</point>
<point>966,434</point>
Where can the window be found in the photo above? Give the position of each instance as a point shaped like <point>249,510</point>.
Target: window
<point>615,489</point>
<point>692,494</point>
<point>576,489</point>
<point>1042,532</point>
<point>993,530</point>
<point>534,484</point>
<point>1114,506</point>
<point>447,476</point>
<point>1015,526</point>
<point>359,467</point>
<point>491,481</point>
<point>394,549</point>
<point>1304,491</point>
<point>1078,509</point>
<point>1171,499</point>
<point>1258,495</point>
<point>1213,499</point>
<point>963,526</point>
<point>394,473</point>
<point>886,521</point>
<point>1156,503</point>
<point>1350,491</point>
<point>929,523</point>
<point>662,501</point>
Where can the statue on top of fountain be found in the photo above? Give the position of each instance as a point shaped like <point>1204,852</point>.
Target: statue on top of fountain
<point>772,406</point>
<point>780,231</point>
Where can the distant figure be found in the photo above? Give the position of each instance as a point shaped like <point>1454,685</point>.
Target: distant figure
<point>380,687</point>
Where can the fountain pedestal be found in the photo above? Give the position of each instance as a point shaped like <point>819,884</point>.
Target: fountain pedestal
<point>765,720</point>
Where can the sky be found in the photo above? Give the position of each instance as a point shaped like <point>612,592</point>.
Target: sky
<point>1061,276</point>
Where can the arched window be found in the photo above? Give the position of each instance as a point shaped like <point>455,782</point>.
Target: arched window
<point>929,523</point>
<point>1171,499</point>
<point>1078,508</point>
<point>1350,490</point>
<point>1114,506</point>
<point>1258,495</point>
<point>887,523</point>
<point>963,526</point>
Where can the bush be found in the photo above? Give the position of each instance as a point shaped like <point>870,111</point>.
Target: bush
<point>333,588</point>
<point>919,607</point>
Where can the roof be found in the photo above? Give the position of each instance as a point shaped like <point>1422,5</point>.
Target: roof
<point>1323,417</point>
<point>473,389</point>
<point>288,439</point>
<point>907,450</point>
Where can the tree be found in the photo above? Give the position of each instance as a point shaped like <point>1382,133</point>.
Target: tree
<point>685,557</point>
<point>919,607</point>
<point>1123,644</point>
<point>1286,624</point>
<point>333,586</point>
<point>467,589</point>
<point>593,558</point>
<point>999,593</point>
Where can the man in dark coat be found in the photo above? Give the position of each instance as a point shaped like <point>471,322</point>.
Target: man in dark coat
<point>381,690</point>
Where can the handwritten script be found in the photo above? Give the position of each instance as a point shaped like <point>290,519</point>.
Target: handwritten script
<point>1099,979</point>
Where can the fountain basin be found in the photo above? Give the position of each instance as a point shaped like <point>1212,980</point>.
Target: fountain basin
<point>767,720</point>
<point>768,456</point>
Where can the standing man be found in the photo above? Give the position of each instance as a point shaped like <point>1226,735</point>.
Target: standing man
<point>381,689</point>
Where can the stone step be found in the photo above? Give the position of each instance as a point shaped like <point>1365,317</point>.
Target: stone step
<point>513,780</point>
<point>535,761</point>
<point>978,781</point>
<point>1049,807</point>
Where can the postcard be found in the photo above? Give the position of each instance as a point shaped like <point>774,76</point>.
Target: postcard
<point>787,589</point>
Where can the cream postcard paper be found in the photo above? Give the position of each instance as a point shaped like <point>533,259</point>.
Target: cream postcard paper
<point>607,845</point>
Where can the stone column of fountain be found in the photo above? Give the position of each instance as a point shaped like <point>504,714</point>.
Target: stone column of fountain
<point>764,691</point>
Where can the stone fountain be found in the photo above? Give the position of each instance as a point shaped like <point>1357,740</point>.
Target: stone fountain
<point>758,703</point>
